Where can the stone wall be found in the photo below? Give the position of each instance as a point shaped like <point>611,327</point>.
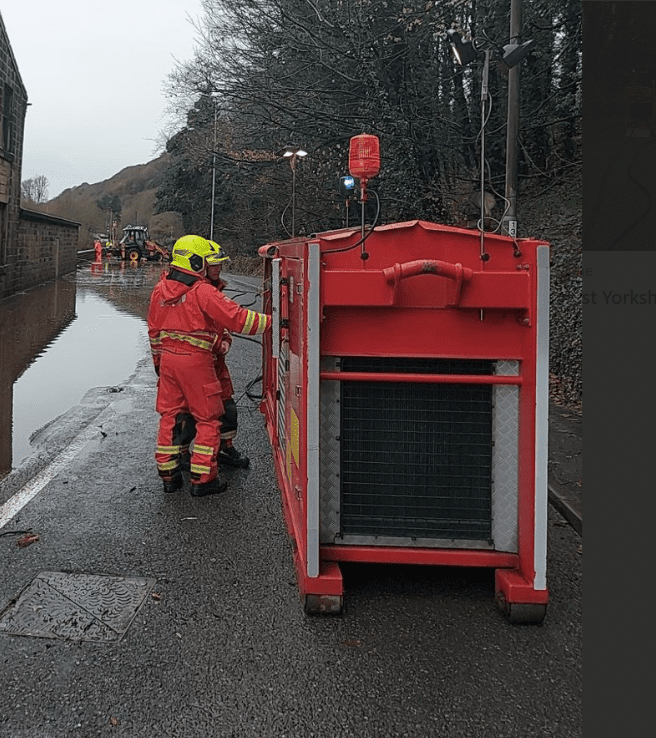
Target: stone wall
<point>46,249</point>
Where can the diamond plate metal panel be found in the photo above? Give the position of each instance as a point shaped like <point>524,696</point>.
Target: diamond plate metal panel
<point>505,433</point>
<point>507,367</point>
<point>329,455</point>
<point>76,607</point>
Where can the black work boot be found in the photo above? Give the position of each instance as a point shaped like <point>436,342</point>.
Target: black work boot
<point>232,457</point>
<point>173,483</point>
<point>215,487</point>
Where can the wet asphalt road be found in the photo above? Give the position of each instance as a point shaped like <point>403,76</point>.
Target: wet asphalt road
<point>223,647</point>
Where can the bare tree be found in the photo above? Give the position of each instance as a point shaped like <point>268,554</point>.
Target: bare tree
<point>34,191</point>
<point>316,72</point>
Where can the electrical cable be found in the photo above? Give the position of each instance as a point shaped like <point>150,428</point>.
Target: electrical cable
<point>282,221</point>
<point>247,338</point>
<point>485,95</point>
<point>239,293</point>
<point>254,397</point>
<point>516,250</point>
<point>499,195</point>
<point>486,119</point>
<point>366,236</point>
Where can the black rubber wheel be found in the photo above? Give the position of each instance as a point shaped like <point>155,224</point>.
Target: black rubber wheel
<point>134,253</point>
<point>528,613</point>
<point>323,604</point>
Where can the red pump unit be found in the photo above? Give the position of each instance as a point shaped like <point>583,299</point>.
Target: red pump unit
<point>406,397</point>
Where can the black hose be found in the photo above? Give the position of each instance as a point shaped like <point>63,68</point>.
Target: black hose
<point>366,235</point>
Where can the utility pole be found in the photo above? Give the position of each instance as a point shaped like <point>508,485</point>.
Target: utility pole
<point>509,224</point>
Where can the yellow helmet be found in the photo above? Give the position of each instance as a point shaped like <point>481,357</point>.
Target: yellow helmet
<point>218,257</point>
<point>190,254</point>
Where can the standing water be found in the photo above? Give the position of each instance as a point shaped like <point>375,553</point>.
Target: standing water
<point>61,339</point>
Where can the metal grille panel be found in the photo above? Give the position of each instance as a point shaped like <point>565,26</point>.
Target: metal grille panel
<point>416,458</point>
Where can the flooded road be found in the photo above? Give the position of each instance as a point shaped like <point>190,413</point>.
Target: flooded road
<point>58,340</point>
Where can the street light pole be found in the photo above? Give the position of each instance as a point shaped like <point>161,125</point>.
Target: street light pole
<point>509,222</point>
<point>213,175</point>
<point>293,153</point>
<point>292,164</point>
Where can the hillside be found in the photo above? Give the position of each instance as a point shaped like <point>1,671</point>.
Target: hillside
<point>135,187</point>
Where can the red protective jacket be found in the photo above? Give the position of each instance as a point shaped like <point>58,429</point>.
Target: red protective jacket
<point>193,317</point>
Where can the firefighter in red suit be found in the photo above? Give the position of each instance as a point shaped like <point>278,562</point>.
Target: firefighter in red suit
<point>187,317</point>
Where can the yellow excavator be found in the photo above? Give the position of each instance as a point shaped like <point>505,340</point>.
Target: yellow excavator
<point>136,245</point>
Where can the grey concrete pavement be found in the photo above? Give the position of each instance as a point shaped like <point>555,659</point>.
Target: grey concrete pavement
<point>221,646</point>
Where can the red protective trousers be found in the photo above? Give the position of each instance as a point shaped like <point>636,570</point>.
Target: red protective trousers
<point>188,384</point>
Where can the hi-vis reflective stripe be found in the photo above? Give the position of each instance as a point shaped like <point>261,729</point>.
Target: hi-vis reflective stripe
<point>255,324</point>
<point>204,341</point>
<point>167,465</point>
<point>200,469</point>
<point>205,450</point>
<point>168,449</point>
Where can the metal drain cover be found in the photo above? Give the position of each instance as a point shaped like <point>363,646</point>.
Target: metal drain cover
<point>75,607</point>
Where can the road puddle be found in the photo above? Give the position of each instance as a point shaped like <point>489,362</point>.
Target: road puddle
<point>61,339</point>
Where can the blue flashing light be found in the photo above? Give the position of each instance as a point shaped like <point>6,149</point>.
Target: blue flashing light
<point>347,186</point>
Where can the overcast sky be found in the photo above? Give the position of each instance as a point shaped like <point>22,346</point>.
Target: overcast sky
<point>94,73</point>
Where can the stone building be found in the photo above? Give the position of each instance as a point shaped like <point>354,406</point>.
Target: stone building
<point>34,247</point>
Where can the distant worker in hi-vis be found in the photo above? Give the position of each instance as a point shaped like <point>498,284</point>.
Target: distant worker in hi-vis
<point>187,318</point>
